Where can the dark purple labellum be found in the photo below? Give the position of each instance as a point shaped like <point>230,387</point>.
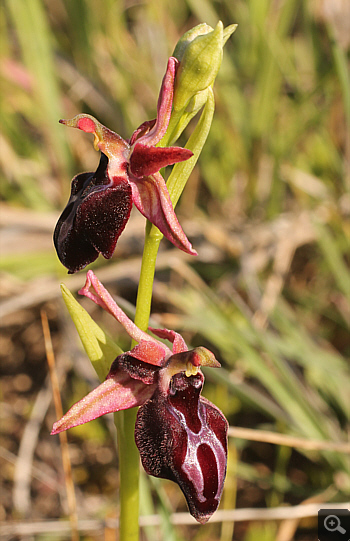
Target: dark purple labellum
<point>95,216</point>
<point>183,437</point>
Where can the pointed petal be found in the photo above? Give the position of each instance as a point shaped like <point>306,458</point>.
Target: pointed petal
<point>152,199</point>
<point>106,140</point>
<point>174,337</point>
<point>146,160</point>
<point>154,353</point>
<point>164,106</point>
<point>94,290</point>
<point>117,393</point>
<point>142,130</point>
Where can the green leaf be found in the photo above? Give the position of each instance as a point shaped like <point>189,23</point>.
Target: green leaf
<point>100,348</point>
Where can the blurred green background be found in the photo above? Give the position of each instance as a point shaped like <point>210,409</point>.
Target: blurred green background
<point>267,208</point>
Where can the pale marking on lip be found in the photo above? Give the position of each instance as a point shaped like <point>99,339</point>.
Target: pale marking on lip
<point>190,464</point>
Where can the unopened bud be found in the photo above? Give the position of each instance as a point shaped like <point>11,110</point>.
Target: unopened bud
<point>200,54</point>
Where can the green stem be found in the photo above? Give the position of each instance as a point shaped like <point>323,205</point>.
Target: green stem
<point>343,72</point>
<point>144,294</point>
<point>125,420</point>
<point>128,475</point>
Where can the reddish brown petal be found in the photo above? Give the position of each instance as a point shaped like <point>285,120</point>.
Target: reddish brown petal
<point>152,199</point>
<point>73,249</point>
<point>93,219</point>
<point>165,102</point>
<point>142,130</point>
<point>151,352</point>
<point>174,337</point>
<point>146,160</point>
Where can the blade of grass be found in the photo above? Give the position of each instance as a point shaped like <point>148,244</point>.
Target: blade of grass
<point>33,33</point>
<point>71,500</point>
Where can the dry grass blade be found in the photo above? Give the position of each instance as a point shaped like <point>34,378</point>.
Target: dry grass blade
<point>24,461</point>
<point>296,233</point>
<point>237,515</point>
<point>63,436</point>
<point>37,473</point>
<point>290,441</point>
<point>288,527</point>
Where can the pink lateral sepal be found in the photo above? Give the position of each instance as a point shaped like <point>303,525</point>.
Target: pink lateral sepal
<point>117,393</point>
<point>164,106</point>
<point>151,197</point>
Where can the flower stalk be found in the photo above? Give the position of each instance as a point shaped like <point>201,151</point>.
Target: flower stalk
<point>125,420</point>
<point>129,475</point>
<point>129,458</point>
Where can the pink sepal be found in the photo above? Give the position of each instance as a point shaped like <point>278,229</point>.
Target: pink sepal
<point>151,197</point>
<point>117,393</point>
<point>165,102</point>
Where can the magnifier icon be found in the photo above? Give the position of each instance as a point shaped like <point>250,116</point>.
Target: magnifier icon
<point>332,524</point>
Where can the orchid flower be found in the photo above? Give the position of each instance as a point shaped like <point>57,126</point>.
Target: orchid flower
<point>180,435</point>
<point>100,203</point>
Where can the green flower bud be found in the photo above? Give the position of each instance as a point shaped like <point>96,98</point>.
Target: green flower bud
<point>188,37</point>
<point>200,54</point>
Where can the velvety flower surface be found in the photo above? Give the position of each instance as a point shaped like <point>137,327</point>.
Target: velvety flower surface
<point>100,202</point>
<point>180,435</point>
